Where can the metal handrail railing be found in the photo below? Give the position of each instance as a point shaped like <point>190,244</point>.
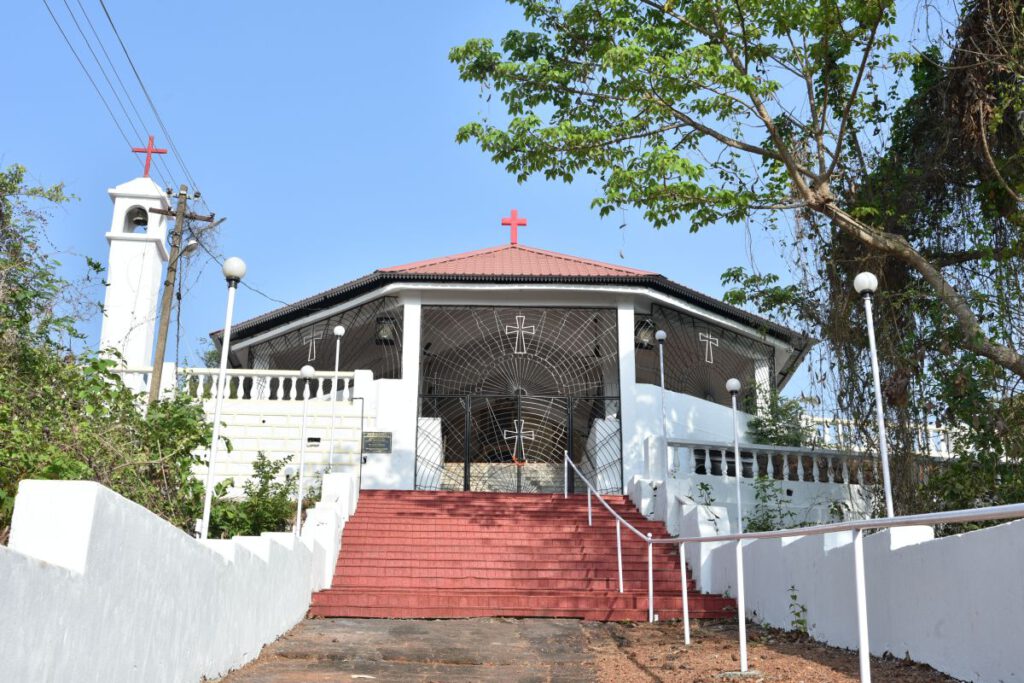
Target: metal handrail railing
<point>647,538</point>
<point>985,514</point>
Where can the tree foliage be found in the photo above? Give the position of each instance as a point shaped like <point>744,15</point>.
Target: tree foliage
<point>885,154</point>
<point>68,416</point>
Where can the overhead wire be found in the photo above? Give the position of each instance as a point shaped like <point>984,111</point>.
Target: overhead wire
<point>152,105</point>
<point>117,75</point>
<point>103,72</point>
<point>88,75</point>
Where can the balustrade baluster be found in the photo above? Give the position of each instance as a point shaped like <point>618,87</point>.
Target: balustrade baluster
<point>799,468</point>
<point>815,472</point>
<point>771,465</point>
<point>860,471</point>
<point>707,461</point>
<point>347,395</point>
<point>830,469</point>
<point>755,468</point>
<point>293,394</point>
<point>846,470</point>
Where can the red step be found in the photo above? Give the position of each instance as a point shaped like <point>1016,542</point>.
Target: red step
<point>419,554</point>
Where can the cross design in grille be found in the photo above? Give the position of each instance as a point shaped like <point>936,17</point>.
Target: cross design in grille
<point>311,338</point>
<point>709,342</point>
<point>518,435</point>
<point>520,329</point>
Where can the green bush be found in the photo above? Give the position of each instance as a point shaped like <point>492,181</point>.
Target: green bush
<point>268,503</point>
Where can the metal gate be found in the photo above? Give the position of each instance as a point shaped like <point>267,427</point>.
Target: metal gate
<point>516,443</point>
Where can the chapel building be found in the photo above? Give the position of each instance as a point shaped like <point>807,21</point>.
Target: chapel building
<point>488,366</point>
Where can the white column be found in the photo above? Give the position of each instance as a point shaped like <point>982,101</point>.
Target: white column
<point>632,442</point>
<point>397,406</point>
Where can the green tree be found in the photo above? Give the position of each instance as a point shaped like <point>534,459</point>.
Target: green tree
<point>892,156</point>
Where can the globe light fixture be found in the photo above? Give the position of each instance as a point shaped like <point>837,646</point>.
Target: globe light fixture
<point>661,335</point>
<point>306,373</point>
<point>234,271</point>
<point>866,284</point>
<point>339,332</point>
<point>733,386</point>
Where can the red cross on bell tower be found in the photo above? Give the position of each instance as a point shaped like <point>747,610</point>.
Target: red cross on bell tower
<point>514,221</point>
<point>149,150</point>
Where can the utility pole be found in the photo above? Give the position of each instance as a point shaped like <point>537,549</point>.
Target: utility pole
<point>179,215</point>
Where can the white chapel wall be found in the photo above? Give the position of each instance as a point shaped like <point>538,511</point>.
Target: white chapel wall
<point>98,589</point>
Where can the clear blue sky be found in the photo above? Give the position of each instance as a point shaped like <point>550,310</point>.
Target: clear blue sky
<point>324,134</point>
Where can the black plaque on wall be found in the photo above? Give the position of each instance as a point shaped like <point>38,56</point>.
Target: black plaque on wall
<point>376,442</point>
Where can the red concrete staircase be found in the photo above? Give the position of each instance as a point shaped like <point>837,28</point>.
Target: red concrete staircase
<point>428,554</point>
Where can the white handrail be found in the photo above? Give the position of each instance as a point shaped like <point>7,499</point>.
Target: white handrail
<point>619,521</point>
<point>591,489</point>
<point>985,514</point>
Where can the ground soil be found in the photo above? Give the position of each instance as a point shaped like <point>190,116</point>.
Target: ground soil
<point>551,650</point>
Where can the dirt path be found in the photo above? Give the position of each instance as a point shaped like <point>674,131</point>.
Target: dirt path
<point>510,650</point>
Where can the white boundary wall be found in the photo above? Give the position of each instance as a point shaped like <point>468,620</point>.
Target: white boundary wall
<point>955,603</point>
<point>96,588</point>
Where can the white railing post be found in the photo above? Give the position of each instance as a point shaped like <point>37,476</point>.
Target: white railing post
<point>650,579</point>
<point>590,510</point>
<point>741,606</point>
<point>618,544</point>
<point>565,476</point>
<point>686,594</point>
<point>862,606</point>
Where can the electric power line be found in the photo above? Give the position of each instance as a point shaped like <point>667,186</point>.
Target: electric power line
<point>88,75</point>
<point>152,105</point>
<point>103,72</point>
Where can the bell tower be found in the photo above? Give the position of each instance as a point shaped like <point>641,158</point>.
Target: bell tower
<point>138,253</point>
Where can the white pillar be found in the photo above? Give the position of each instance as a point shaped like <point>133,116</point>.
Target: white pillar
<point>632,443</point>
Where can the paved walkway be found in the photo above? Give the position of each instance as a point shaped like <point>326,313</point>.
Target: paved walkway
<point>562,650</point>
<point>411,650</point>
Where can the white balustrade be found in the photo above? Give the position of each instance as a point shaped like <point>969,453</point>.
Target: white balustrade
<point>701,457</point>
<point>248,385</point>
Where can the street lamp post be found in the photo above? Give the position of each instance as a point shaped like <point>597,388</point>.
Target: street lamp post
<point>234,271</point>
<point>306,373</point>
<point>733,386</point>
<point>866,284</point>
<point>339,332</point>
<point>661,335</point>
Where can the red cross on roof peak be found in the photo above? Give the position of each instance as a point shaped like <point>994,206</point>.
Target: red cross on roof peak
<point>149,150</point>
<point>514,221</point>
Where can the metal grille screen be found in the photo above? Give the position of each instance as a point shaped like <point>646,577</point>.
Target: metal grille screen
<point>504,392</point>
<point>700,357</point>
<point>372,341</point>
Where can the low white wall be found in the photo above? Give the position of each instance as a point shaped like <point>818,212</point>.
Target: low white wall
<point>954,603</point>
<point>96,588</point>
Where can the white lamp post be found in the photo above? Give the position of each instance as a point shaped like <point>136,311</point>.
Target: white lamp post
<point>339,332</point>
<point>306,373</point>
<point>234,271</point>
<point>866,284</point>
<point>661,335</point>
<point>733,386</point>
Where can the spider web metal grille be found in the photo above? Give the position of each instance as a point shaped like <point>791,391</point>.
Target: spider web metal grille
<point>372,341</point>
<point>520,377</point>
<point>700,357</point>
<point>507,351</point>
